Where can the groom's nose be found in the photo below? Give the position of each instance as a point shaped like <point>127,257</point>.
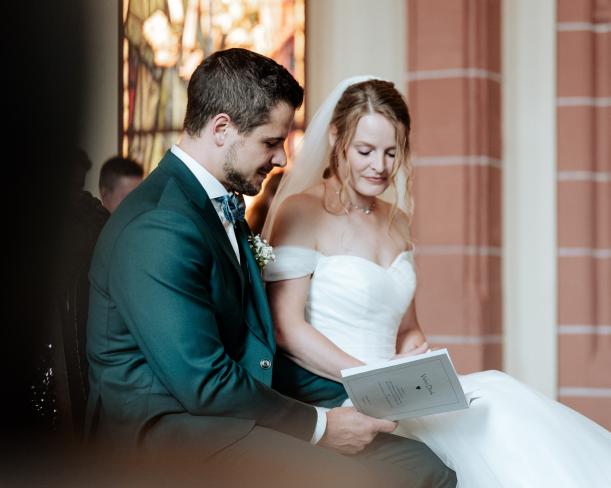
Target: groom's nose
<point>279,158</point>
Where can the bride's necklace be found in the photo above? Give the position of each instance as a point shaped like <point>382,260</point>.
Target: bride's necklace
<point>366,210</point>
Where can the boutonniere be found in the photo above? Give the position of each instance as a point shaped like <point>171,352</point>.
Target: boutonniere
<point>262,251</point>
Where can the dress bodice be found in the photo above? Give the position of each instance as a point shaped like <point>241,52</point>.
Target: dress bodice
<point>355,302</point>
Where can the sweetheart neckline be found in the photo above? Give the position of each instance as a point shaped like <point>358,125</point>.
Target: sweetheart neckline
<point>373,263</point>
<point>330,256</point>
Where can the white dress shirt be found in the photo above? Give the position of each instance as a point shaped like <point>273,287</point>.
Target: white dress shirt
<point>214,188</point>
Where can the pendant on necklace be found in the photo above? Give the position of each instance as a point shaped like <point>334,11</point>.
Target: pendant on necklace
<point>365,210</point>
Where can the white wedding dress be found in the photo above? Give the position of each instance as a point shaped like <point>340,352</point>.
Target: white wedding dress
<point>511,436</point>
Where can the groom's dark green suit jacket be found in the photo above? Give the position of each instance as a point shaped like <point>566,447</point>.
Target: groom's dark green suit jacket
<point>179,336</point>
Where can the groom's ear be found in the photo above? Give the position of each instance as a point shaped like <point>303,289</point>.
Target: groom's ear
<point>221,128</point>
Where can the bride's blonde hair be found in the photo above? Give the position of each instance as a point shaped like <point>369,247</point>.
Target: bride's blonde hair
<point>315,159</point>
<point>359,99</point>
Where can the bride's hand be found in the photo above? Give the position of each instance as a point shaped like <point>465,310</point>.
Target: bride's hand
<point>421,349</point>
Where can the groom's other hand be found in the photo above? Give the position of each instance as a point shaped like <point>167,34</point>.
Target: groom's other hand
<point>349,431</point>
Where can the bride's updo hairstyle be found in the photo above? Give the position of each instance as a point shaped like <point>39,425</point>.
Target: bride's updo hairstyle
<point>359,99</point>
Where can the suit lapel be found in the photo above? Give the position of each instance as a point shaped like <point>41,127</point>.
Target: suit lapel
<point>173,166</point>
<point>258,315</point>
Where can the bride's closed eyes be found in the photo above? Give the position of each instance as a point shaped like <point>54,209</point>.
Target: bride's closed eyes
<point>365,149</point>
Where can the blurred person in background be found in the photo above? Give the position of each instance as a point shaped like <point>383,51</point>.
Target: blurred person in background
<point>118,177</point>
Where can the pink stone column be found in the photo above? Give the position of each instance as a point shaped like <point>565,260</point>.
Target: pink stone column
<point>584,206</point>
<point>454,93</point>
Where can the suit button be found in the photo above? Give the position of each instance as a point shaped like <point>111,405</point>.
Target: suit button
<point>265,363</point>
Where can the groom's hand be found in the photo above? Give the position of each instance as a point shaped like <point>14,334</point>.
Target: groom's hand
<point>349,431</point>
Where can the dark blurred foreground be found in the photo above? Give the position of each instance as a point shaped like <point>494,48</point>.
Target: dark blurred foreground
<point>43,73</point>
<point>78,466</point>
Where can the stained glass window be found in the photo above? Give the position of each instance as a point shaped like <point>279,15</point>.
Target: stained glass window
<point>163,41</point>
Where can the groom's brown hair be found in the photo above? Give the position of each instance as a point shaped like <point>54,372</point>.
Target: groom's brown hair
<point>241,83</point>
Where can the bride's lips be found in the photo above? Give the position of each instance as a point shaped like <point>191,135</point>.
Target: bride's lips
<point>376,180</point>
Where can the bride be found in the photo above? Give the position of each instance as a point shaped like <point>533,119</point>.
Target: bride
<point>341,292</point>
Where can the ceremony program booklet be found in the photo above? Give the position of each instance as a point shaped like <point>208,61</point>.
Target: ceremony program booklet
<point>408,387</point>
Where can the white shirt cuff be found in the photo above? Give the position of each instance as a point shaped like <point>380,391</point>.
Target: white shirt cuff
<point>321,425</point>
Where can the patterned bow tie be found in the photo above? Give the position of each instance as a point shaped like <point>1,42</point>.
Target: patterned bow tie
<point>233,207</point>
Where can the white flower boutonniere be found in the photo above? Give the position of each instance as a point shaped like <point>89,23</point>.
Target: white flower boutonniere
<point>263,252</point>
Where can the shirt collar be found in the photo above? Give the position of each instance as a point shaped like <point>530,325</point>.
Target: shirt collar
<point>213,187</point>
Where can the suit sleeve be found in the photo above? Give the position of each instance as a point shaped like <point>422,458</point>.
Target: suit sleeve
<point>159,278</point>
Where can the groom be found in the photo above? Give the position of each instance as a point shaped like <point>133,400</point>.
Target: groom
<point>180,339</point>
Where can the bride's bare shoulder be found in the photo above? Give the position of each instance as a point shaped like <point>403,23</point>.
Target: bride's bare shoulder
<point>305,204</point>
<point>297,218</point>
<point>401,223</point>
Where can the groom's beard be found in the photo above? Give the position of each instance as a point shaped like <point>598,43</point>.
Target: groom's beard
<point>237,181</point>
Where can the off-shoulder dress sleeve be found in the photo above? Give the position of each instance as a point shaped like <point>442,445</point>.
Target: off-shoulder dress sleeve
<point>291,262</point>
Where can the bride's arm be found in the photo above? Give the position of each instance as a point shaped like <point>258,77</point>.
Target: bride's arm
<point>410,339</point>
<point>297,224</point>
<point>410,335</point>
<point>308,347</point>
